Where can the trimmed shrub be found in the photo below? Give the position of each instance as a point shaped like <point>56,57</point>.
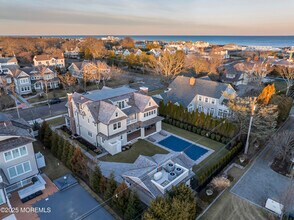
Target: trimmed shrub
<point>212,136</point>
<point>181,125</point>
<point>223,139</point>
<point>217,137</point>
<point>189,128</point>
<point>194,129</point>
<point>178,124</point>
<point>203,132</point>
<point>185,126</point>
<point>170,121</point>
<point>199,131</point>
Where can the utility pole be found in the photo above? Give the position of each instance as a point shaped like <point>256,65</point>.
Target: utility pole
<point>253,105</point>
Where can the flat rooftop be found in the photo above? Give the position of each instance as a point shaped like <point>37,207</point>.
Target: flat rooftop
<point>107,93</point>
<point>169,175</point>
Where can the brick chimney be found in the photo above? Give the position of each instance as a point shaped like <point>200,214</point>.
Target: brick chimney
<point>192,81</point>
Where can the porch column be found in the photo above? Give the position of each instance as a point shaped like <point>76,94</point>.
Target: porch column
<point>158,126</point>
<point>142,132</point>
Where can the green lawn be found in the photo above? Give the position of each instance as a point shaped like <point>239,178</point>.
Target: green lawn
<point>54,167</point>
<point>57,121</point>
<point>51,94</point>
<point>219,151</point>
<point>141,147</point>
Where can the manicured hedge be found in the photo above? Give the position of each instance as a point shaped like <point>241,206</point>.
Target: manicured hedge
<point>199,131</point>
<point>204,177</point>
<point>180,117</point>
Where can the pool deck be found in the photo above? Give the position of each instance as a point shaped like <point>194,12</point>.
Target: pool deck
<point>156,138</point>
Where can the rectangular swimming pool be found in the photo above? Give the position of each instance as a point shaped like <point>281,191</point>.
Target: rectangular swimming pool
<point>177,144</point>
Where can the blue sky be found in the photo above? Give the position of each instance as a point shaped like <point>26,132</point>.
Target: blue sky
<point>152,17</point>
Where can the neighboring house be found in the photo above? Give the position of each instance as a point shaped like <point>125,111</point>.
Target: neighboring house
<point>202,94</point>
<point>137,52</point>
<point>6,74</point>
<point>112,118</point>
<point>73,53</point>
<point>41,76</point>
<point>156,52</point>
<point>238,74</point>
<point>8,61</point>
<point>22,82</point>
<point>150,176</point>
<point>77,69</point>
<point>49,60</point>
<point>126,52</point>
<point>18,162</point>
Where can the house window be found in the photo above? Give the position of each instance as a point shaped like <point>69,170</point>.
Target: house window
<point>15,153</point>
<point>200,98</point>
<point>116,114</point>
<point>212,111</point>
<point>19,169</point>
<point>2,198</point>
<point>121,104</point>
<point>206,99</point>
<point>121,137</point>
<point>89,133</point>
<point>119,124</point>
<point>114,126</point>
<point>220,113</point>
<point>213,101</point>
<point>149,103</point>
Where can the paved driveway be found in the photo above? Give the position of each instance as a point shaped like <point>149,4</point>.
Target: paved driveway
<point>260,182</point>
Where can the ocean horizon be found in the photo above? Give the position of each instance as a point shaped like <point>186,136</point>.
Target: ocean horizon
<point>274,41</point>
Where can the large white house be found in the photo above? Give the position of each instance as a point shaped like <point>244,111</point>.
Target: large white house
<point>203,94</point>
<point>112,118</point>
<point>56,60</point>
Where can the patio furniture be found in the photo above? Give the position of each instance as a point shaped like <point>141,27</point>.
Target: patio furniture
<point>163,133</point>
<point>151,139</point>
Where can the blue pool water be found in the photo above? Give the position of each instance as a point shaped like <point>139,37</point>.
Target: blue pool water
<point>177,144</point>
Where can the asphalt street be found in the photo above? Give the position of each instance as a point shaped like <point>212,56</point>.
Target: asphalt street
<point>40,111</point>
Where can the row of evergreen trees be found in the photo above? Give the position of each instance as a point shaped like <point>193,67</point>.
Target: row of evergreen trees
<point>199,120</point>
<point>178,203</point>
<point>118,196</point>
<point>70,156</point>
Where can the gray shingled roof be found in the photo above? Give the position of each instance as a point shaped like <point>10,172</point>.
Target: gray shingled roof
<point>14,142</point>
<point>100,104</point>
<point>182,92</point>
<point>14,127</point>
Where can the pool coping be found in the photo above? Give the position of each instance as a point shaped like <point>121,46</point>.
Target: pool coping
<point>196,162</point>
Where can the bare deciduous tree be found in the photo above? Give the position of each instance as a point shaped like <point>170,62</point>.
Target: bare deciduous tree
<point>67,80</point>
<point>283,142</point>
<point>288,75</point>
<point>168,64</point>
